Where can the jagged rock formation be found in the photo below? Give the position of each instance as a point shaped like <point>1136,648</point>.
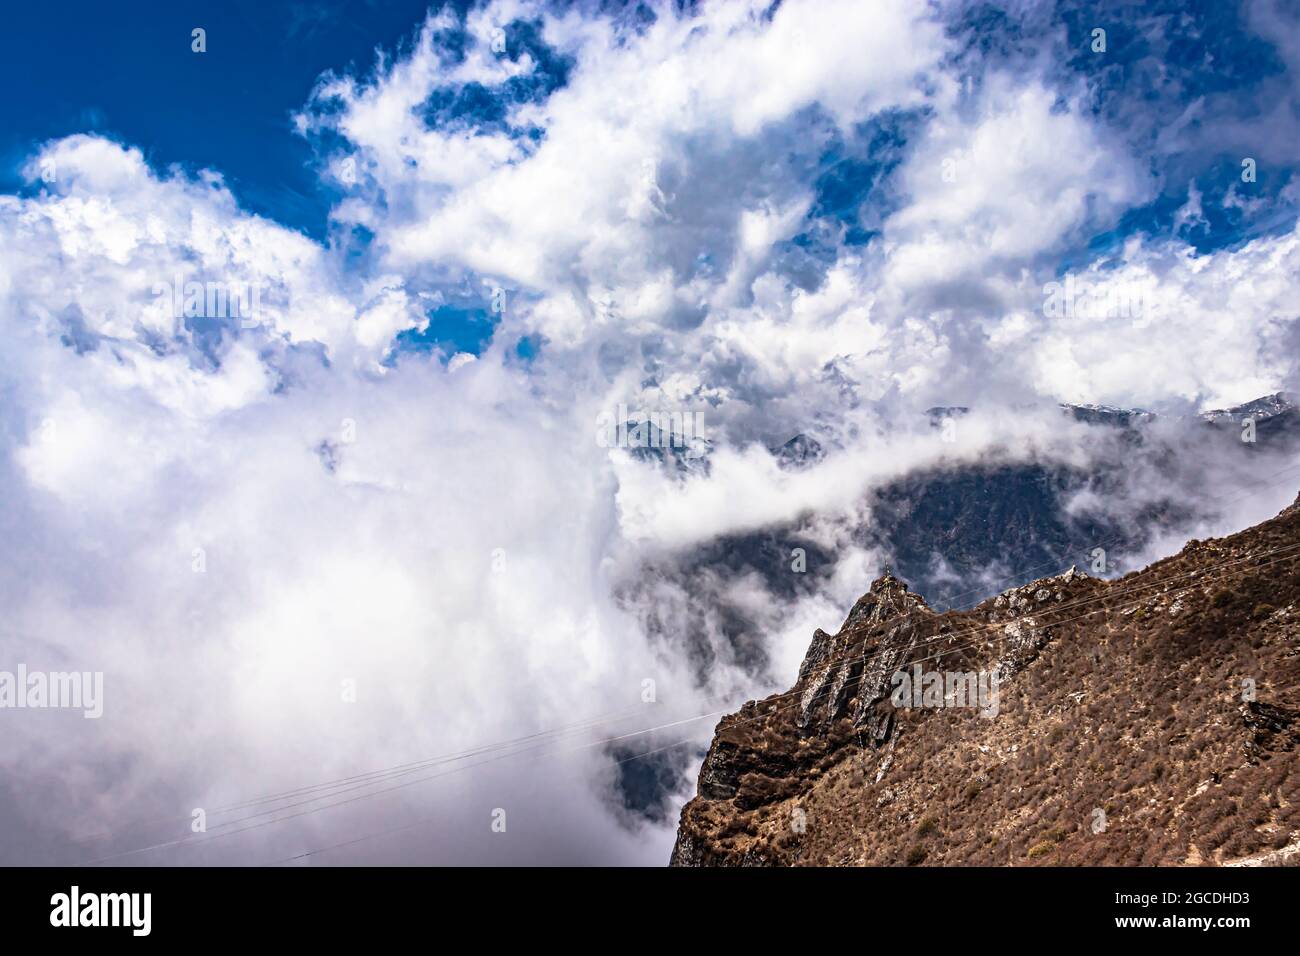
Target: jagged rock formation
<point>948,531</point>
<point>1152,719</point>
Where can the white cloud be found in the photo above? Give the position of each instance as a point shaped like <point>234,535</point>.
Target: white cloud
<point>450,537</point>
<point>1003,186</point>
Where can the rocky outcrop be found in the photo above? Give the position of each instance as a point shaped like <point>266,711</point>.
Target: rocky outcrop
<point>1146,720</point>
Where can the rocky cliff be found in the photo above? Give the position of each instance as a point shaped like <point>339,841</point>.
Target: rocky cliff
<point>1151,719</point>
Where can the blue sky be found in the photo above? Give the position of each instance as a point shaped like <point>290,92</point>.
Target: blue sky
<point>131,75</point>
<point>92,69</point>
<point>819,217</point>
<point>136,80</point>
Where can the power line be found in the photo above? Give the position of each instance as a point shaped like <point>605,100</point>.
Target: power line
<point>1096,599</point>
<point>362,781</point>
<point>822,692</point>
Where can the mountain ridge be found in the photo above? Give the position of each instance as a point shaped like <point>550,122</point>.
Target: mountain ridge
<point>1149,719</point>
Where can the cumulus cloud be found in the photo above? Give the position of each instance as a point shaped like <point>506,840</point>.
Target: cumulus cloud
<point>242,518</point>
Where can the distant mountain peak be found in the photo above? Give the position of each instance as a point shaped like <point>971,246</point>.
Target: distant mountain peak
<point>1107,414</point>
<point>801,451</point>
<point>1259,409</point>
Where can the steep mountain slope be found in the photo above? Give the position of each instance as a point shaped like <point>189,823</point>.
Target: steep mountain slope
<point>1151,719</point>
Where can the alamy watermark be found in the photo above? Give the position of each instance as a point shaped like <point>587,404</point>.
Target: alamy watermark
<point>654,428</point>
<point>71,690</point>
<point>1074,298</point>
<point>74,908</point>
<point>977,690</point>
<point>212,300</point>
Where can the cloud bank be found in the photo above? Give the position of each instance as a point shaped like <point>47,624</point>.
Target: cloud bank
<point>300,548</point>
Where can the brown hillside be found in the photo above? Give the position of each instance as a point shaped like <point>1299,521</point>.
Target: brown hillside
<point>1125,730</point>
